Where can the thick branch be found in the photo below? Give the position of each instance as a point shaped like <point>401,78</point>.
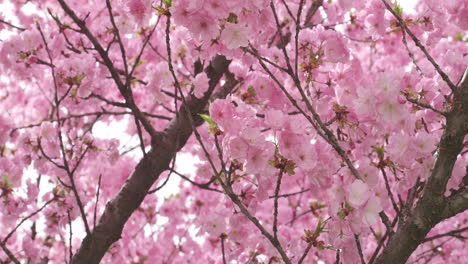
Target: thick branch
<point>131,195</point>
<point>433,207</point>
<point>311,12</point>
<point>456,203</point>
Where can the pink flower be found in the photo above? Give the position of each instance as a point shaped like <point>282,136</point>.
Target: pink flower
<point>237,147</point>
<point>4,129</point>
<point>202,27</point>
<point>358,193</point>
<point>305,156</point>
<point>288,143</point>
<point>201,85</point>
<point>215,226</point>
<point>257,158</point>
<point>371,210</point>
<point>48,131</point>
<point>424,143</point>
<point>140,10</point>
<point>31,249</point>
<point>275,119</point>
<point>390,110</point>
<point>221,111</point>
<point>335,49</point>
<point>234,36</point>
<point>216,8</point>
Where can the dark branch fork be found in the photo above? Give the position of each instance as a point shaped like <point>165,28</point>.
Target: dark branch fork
<point>148,170</point>
<point>433,207</point>
<point>164,145</point>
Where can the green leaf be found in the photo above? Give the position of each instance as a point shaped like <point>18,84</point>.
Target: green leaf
<point>167,3</point>
<point>78,78</point>
<point>398,9</point>
<point>251,91</point>
<point>161,11</point>
<point>289,167</point>
<point>232,18</point>
<point>139,63</point>
<point>7,180</point>
<point>208,119</point>
<point>213,129</point>
<point>460,37</point>
<point>380,151</point>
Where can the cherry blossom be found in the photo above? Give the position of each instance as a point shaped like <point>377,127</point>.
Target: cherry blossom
<point>233,131</point>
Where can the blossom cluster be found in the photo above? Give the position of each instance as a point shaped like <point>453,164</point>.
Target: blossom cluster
<point>327,135</point>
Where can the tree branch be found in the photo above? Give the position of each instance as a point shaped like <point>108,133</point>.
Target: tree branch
<point>119,209</point>
<point>453,233</point>
<point>9,253</point>
<point>433,207</point>
<point>404,27</point>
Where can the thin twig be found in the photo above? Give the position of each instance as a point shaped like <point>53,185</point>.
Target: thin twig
<point>288,194</point>
<point>304,255</point>
<point>389,192</point>
<point>387,223</point>
<point>171,169</point>
<point>453,233</point>
<point>403,25</point>
<point>424,105</point>
<point>199,185</point>
<point>119,41</point>
<point>9,253</point>
<point>413,59</point>
<point>358,245</point>
<point>222,248</point>
<point>70,248</point>
<point>59,133</point>
<point>275,206</point>
<point>11,25</point>
<point>311,12</point>
<point>97,200</point>
<point>24,220</point>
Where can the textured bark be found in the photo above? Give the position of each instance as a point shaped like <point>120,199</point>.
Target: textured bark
<point>131,195</point>
<point>433,207</point>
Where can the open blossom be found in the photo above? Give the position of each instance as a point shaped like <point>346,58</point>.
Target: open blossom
<point>48,131</point>
<point>390,110</point>
<point>235,36</point>
<point>288,143</point>
<point>202,27</point>
<point>200,85</point>
<point>257,158</point>
<point>275,118</point>
<point>358,193</point>
<point>237,147</point>
<point>424,143</point>
<point>371,210</point>
<point>305,156</point>
<point>335,49</point>
<point>140,10</point>
<point>364,104</point>
<point>222,112</point>
<point>4,129</point>
<point>375,22</point>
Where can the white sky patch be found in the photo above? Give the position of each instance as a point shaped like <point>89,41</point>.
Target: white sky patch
<point>408,5</point>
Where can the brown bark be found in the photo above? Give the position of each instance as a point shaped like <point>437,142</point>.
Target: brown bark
<point>131,195</point>
<point>433,207</point>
